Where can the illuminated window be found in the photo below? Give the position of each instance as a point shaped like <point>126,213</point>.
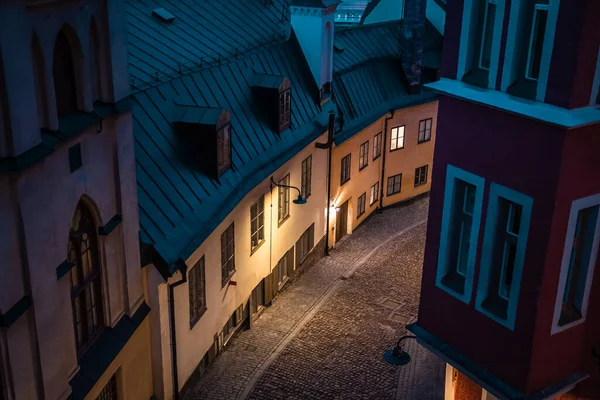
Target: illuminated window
<point>397,138</point>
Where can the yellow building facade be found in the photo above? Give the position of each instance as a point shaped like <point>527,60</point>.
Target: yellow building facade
<point>404,139</point>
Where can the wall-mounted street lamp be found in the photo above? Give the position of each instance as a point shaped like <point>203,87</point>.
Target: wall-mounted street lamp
<point>337,209</point>
<point>397,356</point>
<point>299,199</point>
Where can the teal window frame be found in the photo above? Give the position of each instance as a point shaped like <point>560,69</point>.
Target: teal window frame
<point>498,192</point>
<point>576,207</point>
<point>452,175</point>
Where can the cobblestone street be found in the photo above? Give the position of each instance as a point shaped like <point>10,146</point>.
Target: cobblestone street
<point>325,336</point>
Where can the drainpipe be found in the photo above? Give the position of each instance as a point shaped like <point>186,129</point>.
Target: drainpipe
<point>384,145</point>
<point>328,145</point>
<point>172,332</point>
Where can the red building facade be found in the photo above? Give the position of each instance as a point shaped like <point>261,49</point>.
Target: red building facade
<point>509,297</point>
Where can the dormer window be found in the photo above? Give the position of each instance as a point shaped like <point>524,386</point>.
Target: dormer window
<point>274,94</point>
<point>536,41</point>
<point>223,149</point>
<point>204,138</point>
<point>285,113</point>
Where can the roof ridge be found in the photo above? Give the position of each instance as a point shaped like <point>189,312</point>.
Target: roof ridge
<point>374,25</point>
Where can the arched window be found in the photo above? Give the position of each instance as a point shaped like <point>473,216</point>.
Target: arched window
<point>63,70</point>
<point>39,80</point>
<point>86,290</point>
<point>95,62</point>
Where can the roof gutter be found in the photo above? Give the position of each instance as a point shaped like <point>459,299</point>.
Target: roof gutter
<point>391,111</point>
<point>182,267</point>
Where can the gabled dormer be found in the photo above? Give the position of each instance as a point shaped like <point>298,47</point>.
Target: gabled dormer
<point>274,95</point>
<point>204,138</point>
<point>312,21</point>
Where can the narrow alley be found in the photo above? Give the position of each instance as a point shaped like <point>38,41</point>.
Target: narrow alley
<point>325,336</point>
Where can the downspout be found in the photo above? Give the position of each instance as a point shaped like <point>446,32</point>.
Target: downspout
<point>328,146</point>
<point>384,145</point>
<point>172,332</point>
<point>271,234</point>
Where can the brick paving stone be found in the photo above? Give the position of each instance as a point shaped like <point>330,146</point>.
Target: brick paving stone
<point>338,353</point>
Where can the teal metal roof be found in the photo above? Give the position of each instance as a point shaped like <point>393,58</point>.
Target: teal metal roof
<point>202,33</point>
<point>179,206</point>
<point>368,79</point>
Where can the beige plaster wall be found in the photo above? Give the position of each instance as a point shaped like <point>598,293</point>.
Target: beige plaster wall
<point>192,343</point>
<point>400,161</point>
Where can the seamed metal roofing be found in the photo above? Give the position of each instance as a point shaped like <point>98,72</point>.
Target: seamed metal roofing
<point>202,33</point>
<point>368,79</point>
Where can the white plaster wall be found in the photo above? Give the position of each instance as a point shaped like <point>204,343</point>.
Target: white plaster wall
<point>193,343</point>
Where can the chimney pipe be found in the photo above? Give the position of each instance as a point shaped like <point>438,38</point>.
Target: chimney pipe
<point>411,45</point>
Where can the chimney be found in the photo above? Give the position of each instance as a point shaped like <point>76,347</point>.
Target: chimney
<point>312,21</point>
<point>411,45</point>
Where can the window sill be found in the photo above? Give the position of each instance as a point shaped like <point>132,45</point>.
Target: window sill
<point>421,184</point>
<point>360,215</point>
<point>391,194</point>
<point>364,166</point>
<point>399,148</point>
<point>477,77</point>
<point>281,222</point>
<point>343,183</point>
<point>226,281</point>
<point>454,282</point>
<point>524,88</point>
<point>424,141</point>
<point>375,158</point>
<point>496,306</point>
<point>255,248</point>
<point>195,320</point>
<point>569,315</point>
<point>373,203</point>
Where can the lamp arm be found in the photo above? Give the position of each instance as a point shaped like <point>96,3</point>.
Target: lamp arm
<point>405,337</point>
<point>286,186</point>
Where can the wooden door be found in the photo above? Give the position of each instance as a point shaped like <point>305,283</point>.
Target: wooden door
<point>341,225</point>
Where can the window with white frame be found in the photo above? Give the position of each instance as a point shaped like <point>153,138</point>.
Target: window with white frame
<point>397,138</point>
<point>504,245</point>
<point>257,223</point>
<point>579,258</point>
<point>425,130</point>
<point>536,40</point>
<point>377,146</point>
<point>374,193</point>
<point>461,217</point>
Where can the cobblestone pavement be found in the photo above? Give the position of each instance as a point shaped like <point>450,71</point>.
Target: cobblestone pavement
<point>324,337</point>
